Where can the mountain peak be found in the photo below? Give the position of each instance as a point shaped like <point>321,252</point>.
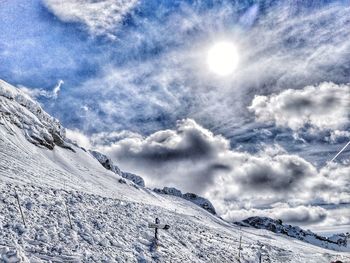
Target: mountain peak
<point>19,110</point>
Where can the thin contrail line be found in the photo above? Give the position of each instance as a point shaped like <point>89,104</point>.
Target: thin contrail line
<point>340,152</point>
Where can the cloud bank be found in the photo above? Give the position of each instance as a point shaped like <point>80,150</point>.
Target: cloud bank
<point>191,158</point>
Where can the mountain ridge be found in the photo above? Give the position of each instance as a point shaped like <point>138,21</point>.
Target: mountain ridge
<point>337,241</point>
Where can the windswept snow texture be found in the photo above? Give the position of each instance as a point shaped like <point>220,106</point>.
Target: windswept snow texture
<point>336,242</point>
<point>110,218</point>
<point>109,229</point>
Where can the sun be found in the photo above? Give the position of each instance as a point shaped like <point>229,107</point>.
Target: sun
<point>222,58</point>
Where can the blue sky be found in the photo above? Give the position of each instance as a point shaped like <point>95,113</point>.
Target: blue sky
<point>157,49</point>
<point>132,73</point>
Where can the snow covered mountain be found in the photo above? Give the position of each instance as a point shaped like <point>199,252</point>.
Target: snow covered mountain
<point>76,210</point>
<point>336,242</point>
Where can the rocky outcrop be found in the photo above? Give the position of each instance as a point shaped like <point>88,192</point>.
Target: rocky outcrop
<point>39,127</point>
<point>308,236</point>
<point>340,239</point>
<point>168,191</point>
<point>198,200</point>
<point>134,178</point>
<point>108,164</point>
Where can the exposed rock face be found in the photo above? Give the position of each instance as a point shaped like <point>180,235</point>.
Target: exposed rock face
<point>108,164</point>
<point>198,200</point>
<point>277,226</point>
<point>168,191</point>
<point>340,239</point>
<point>38,126</point>
<point>134,178</point>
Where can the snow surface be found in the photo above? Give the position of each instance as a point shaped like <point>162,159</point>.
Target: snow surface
<point>109,216</point>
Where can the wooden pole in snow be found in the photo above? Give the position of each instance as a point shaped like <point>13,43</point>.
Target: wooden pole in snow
<point>240,248</point>
<point>65,203</point>
<point>70,222</point>
<point>156,229</point>
<point>20,209</point>
<point>260,254</point>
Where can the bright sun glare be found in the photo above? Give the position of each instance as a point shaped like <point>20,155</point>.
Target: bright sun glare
<point>222,58</point>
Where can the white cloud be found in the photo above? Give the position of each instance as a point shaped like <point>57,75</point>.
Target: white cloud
<point>194,159</point>
<point>292,214</point>
<point>322,107</point>
<point>100,17</point>
<point>57,89</point>
<point>169,79</point>
<point>79,138</point>
<point>337,135</point>
<point>35,93</point>
<point>109,138</point>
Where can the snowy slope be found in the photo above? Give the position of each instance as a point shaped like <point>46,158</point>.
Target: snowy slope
<point>109,218</point>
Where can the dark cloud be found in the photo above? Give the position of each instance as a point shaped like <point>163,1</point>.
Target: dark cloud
<point>276,175</point>
<point>192,146</point>
<point>220,167</point>
<point>191,152</point>
<point>188,142</point>
<point>270,182</point>
<point>193,159</point>
<point>302,215</point>
<point>298,215</point>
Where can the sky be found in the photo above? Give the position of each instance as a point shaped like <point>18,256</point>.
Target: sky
<point>131,79</point>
